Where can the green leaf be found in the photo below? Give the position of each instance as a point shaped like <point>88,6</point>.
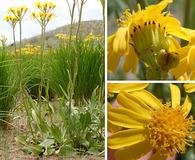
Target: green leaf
<point>49,151</point>
<point>47,143</point>
<point>40,122</point>
<point>56,132</point>
<point>21,139</point>
<point>35,150</point>
<point>85,120</point>
<point>66,150</point>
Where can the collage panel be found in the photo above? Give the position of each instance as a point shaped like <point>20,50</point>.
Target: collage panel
<point>52,80</point>
<point>151,40</point>
<point>150,121</point>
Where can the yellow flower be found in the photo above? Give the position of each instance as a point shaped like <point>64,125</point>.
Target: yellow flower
<point>12,20</point>
<point>44,12</point>
<point>18,12</point>
<point>144,34</point>
<point>148,124</point>
<point>186,68</point>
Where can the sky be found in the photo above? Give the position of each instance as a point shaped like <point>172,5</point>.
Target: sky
<point>92,11</point>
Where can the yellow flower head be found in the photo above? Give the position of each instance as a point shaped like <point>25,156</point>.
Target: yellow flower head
<point>144,34</point>
<point>43,14</point>
<point>148,124</point>
<point>11,19</point>
<point>18,12</point>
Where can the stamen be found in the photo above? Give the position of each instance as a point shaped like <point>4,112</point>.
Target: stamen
<point>169,131</point>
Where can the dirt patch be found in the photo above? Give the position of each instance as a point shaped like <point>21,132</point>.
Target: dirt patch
<point>9,150</point>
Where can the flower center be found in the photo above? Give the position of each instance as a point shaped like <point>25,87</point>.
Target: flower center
<point>170,131</point>
<point>152,45</point>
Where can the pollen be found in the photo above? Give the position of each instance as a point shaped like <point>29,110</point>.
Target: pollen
<point>169,131</point>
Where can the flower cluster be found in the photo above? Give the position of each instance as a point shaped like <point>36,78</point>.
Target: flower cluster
<point>65,37</point>
<point>31,49</point>
<point>91,37</point>
<point>149,35</point>
<point>15,15</point>
<point>43,14</point>
<point>139,123</point>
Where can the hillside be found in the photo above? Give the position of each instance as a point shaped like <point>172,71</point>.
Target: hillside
<point>94,26</point>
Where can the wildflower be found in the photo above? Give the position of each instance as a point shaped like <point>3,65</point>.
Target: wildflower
<point>148,124</point>
<point>145,34</point>
<point>44,12</point>
<point>12,20</point>
<point>30,49</point>
<point>65,37</point>
<point>18,12</point>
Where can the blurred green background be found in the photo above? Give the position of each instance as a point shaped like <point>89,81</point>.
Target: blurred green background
<point>184,10</point>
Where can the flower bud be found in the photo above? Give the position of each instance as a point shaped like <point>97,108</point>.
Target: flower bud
<point>167,60</point>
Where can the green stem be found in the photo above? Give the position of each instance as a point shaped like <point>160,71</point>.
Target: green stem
<point>41,60</point>
<point>14,38</point>
<point>187,13</point>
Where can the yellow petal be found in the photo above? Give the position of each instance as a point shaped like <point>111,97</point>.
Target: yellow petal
<point>129,102</point>
<point>120,42</point>
<point>175,96</point>
<point>126,138</point>
<point>127,87</point>
<point>183,52</point>
<point>112,127</point>
<point>113,61</point>
<point>126,118</point>
<point>131,61</point>
<point>148,98</point>
<point>173,43</point>
<point>189,88</point>
<point>178,32</point>
<point>192,76</point>
<point>186,107</point>
<point>191,57</point>
<point>158,8</point>
<point>134,152</point>
<point>180,69</point>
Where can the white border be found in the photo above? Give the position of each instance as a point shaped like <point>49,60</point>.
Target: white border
<point>105,105</point>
